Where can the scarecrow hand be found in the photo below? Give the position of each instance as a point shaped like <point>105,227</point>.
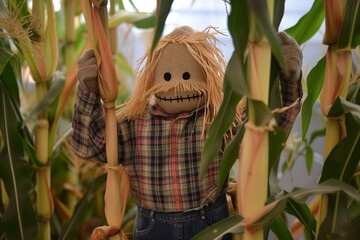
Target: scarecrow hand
<point>88,71</point>
<point>232,197</point>
<point>293,58</point>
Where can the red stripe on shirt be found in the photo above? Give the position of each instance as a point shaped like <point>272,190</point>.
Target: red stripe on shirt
<point>173,166</point>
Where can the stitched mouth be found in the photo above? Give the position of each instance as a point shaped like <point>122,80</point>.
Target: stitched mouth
<point>181,98</point>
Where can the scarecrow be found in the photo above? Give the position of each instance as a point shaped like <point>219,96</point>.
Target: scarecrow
<point>163,126</point>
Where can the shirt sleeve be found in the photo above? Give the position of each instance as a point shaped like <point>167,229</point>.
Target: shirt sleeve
<point>290,91</point>
<point>88,135</point>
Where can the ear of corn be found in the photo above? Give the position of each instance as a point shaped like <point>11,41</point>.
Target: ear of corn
<point>50,49</point>
<point>42,60</point>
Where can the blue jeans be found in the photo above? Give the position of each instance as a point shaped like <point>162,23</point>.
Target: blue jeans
<point>152,225</point>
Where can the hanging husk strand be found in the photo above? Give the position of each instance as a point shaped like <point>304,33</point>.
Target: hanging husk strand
<point>117,184</point>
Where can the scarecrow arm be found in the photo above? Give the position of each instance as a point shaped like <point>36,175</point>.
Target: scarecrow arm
<point>88,135</point>
<point>291,88</point>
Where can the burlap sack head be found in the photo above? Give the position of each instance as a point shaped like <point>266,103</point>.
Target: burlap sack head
<point>185,62</point>
<point>179,80</point>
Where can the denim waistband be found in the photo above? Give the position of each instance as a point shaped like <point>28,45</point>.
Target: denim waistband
<point>182,216</point>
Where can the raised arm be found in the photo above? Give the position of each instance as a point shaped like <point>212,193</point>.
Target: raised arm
<point>291,89</point>
<point>88,136</point>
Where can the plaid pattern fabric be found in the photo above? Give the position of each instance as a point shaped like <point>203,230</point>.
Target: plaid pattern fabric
<point>161,153</point>
<point>290,91</point>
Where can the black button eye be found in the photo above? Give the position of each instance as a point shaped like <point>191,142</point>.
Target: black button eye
<point>167,76</point>
<point>186,76</point>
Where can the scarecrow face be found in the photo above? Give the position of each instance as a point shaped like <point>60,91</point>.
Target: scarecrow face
<point>181,75</point>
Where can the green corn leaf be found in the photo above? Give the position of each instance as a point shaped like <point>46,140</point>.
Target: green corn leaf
<point>133,5</point>
<point>356,36</point>
<point>239,17</point>
<point>301,195</point>
<point>123,64</point>
<point>54,91</point>
<point>2,7</point>
<point>71,229</point>
<point>218,128</point>
<point>262,114</point>
<point>138,19</point>
<point>231,153</point>
<point>341,106</point>
<point>353,94</point>
<point>336,218</point>
<point>280,229</point>
<point>5,56</point>
<point>309,24</point>
<point>233,224</point>
<point>315,82</point>
<point>234,75</point>
<point>163,12</point>
<point>317,133</point>
<point>345,156</point>
<point>233,91</point>
<point>309,158</point>
<point>260,10</point>
<point>216,231</point>
<point>279,7</point>
<point>350,231</point>
<point>148,22</point>
<point>9,59</point>
<point>234,86</point>
<point>277,141</point>
<point>348,30</point>
<point>19,220</point>
<point>304,215</point>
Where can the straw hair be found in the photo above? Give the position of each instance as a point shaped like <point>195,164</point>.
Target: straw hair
<point>202,46</point>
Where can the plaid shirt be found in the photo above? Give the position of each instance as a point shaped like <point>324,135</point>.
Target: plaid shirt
<point>161,152</point>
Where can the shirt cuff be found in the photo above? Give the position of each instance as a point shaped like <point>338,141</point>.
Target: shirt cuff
<point>86,100</point>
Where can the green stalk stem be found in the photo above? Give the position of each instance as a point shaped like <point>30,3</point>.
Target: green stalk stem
<point>43,200</point>
<point>69,12</point>
<point>113,191</point>
<point>338,69</point>
<point>254,152</point>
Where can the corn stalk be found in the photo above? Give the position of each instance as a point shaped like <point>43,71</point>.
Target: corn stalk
<point>40,51</point>
<point>337,76</point>
<point>117,184</point>
<point>254,150</point>
<point>69,58</point>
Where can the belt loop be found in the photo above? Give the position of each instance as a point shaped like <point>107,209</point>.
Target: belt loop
<point>202,212</point>
<point>152,215</point>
